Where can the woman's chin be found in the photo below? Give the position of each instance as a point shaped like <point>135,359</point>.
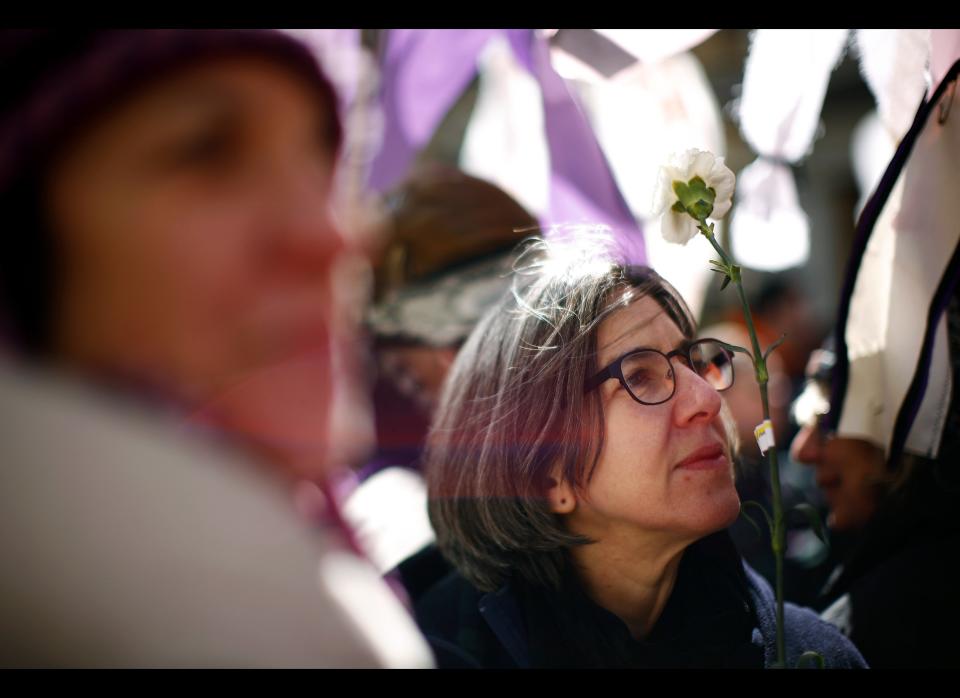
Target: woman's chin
<point>281,410</point>
<point>721,512</point>
<point>732,510</point>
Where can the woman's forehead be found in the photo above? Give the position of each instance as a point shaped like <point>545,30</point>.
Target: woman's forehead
<point>643,323</point>
<point>232,85</point>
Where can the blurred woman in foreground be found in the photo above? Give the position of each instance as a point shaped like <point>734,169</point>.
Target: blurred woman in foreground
<point>167,298</point>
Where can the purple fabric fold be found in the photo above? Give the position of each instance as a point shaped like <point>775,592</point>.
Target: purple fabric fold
<point>425,71</point>
<point>582,185</point>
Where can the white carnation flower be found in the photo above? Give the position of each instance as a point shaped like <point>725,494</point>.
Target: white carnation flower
<point>680,228</point>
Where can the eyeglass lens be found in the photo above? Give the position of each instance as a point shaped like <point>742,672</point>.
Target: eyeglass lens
<point>649,375</point>
<point>713,364</point>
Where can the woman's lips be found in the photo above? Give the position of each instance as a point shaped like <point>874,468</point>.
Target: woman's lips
<point>705,458</point>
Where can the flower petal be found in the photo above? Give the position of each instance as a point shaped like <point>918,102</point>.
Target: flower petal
<point>722,180</point>
<point>663,196</point>
<point>678,228</point>
<point>701,165</point>
<point>682,164</point>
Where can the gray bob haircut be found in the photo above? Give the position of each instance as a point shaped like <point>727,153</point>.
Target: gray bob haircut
<point>514,407</point>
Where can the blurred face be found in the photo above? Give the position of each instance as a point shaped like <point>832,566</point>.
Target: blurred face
<point>848,472</point>
<point>197,248</point>
<point>423,370</point>
<point>743,395</point>
<point>664,469</point>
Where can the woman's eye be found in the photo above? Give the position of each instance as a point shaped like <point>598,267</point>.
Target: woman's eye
<point>211,148</point>
<point>637,379</point>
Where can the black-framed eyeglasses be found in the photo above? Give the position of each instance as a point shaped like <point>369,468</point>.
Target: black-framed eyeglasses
<point>648,375</point>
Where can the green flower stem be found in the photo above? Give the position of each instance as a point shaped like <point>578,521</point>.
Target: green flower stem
<point>777,535</point>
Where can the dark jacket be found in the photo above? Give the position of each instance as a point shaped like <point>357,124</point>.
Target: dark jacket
<point>728,622</point>
<point>895,594</point>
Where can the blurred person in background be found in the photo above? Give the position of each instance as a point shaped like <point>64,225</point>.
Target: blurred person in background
<point>780,307</point>
<point>886,443</point>
<point>448,257</point>
<point>804,550</point>
<point>894,567</point>
<point>168,290</point>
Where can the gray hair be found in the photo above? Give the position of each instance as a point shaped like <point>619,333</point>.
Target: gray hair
<point>514,407</point>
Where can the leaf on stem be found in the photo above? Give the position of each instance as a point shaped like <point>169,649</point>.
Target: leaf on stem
<point>758,505</point>
<point>814,518</point>
<point>735,348</point>
<point>774,346</point>
<point>750,520</point>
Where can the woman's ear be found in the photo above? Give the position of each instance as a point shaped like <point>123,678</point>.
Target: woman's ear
<point>560,494</point>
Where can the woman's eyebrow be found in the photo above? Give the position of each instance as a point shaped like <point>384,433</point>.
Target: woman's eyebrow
<point>679,345</point>
<point>203,94</point>
<point>191,111</point>
<point>615,340</point>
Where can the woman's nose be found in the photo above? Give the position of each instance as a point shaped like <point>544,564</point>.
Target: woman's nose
<point>806,446</point>
<point>304,234</point>
<point>697,400</point>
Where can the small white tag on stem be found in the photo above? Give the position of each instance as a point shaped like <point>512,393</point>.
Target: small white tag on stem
<point>764,434</point>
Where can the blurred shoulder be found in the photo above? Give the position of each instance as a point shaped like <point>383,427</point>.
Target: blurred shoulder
<point>139,543</point>
<point>807,632</point>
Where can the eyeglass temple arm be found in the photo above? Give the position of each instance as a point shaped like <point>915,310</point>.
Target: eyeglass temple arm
<point>604,375</point>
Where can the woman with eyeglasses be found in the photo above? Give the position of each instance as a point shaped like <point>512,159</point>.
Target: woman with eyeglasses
<point>581,479</point>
